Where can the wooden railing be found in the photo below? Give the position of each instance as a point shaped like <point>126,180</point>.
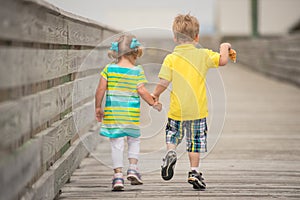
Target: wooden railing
<point>277,57</point>
<point>46,96</point>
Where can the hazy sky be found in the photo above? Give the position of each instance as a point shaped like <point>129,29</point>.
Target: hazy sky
<point>133,14</point>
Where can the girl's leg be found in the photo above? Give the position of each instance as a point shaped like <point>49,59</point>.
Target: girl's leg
<point>133,155</point>
<point>117,149</point>
<point>133,151</point>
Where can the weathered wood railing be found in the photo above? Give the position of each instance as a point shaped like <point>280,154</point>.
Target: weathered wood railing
<point>277,57</point>
<point>46,98</point>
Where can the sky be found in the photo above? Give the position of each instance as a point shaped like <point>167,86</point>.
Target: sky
<point>134,14</point>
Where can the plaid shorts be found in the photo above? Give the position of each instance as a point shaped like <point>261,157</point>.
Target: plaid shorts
<point>195,130</point>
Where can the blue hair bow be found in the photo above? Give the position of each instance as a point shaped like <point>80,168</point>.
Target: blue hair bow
<point>134,43</point>
<point>114,46</point>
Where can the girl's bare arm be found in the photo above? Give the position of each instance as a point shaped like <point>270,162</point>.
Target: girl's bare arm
<point>99,98</point>
<point>143,92</point>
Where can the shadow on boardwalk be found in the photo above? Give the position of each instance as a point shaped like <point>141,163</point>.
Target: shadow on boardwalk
<point>256,157</point>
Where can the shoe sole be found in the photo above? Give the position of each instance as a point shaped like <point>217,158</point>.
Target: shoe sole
<point>134,180</point>
<point>118,187</point>
<point>196,183</point>
<point>167,172</point>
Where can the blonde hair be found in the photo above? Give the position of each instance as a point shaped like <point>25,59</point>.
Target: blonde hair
<point>185,28</point>
<point>124,49</point>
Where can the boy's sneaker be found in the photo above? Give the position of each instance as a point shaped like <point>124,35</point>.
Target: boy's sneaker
<point>134,177</point>
<point>118,182</point>
<point>167,168</point>
<point>196,180</point>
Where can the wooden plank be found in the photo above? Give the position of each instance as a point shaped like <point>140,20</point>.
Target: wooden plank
<point>61,132</point>
<point>82,34</point>
<point>49,184</point>
<point>16,122</point>
<point>83,31</point>
<point>65,93</point>
<point>43,189</point>
<point>109,35</point>
<point>85,88</point>
<point>79,19</point>
<point>37,21</point>
<point>84,116</point>
<point>51,103</point>
<point>55,137</point>
<point>28,113</point>
<point>18,168</point>
<point>29,22</point>
<point>67,164</point>
<point>83,60</point>
<point>30,65</point>
<point>90,143</point>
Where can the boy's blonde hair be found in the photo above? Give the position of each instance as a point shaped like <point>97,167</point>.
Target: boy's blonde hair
<point>185,28</point>
<point>124,49</point>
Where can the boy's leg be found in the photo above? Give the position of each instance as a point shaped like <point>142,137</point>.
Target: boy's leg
<point>117,148</point>
<point>196,143</point>
<point>133,154</point>
<point>194,158</point>
<point>174,136</point>
<point>171,146</point>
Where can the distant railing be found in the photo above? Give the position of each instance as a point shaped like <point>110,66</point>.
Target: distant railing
<point>41,50</point>
<point>277,56</point>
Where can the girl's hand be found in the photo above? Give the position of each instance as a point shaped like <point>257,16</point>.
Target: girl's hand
<point>99,114</point>
<point>157,106</point>
<point>155,98</point>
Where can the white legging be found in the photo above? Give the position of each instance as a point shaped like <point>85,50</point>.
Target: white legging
<point>117,149</point>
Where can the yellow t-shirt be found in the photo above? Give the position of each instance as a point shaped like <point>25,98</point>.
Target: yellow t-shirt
<point>186,68</point>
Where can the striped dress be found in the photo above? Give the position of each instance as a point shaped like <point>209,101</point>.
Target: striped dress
<point>122,106</point>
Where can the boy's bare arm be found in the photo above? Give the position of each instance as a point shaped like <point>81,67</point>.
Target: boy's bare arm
<point>99,98</point>
<point>224,53</point>
<point>160,88</point>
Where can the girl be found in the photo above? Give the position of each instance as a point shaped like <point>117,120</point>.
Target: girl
<point>123,83</point>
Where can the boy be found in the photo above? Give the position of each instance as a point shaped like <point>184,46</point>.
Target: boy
<point>186,69</point>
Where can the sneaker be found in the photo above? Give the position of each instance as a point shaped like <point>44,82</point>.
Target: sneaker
<point>167,169</point>
<point>134,177</point>
<point>118,182</point>
<point>196,180</point>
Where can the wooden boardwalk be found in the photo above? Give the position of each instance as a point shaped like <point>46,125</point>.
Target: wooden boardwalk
<point>256,157</point>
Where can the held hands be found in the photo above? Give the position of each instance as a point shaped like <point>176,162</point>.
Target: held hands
<point>157,105</point>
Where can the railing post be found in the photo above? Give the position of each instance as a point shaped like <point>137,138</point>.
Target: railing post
<point>254,18</point>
